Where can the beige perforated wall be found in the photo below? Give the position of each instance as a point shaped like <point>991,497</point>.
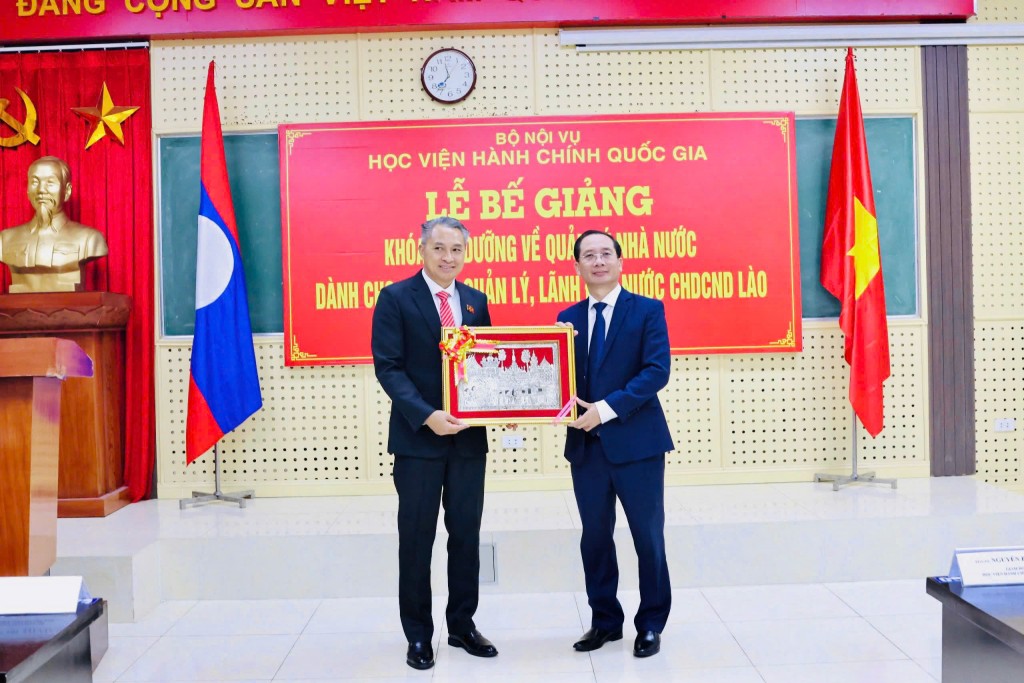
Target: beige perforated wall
<point>997,176</point>
<point>736,418</point>
<point>999,11</point>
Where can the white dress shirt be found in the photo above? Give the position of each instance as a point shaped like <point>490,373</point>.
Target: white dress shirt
<point>453,298</point>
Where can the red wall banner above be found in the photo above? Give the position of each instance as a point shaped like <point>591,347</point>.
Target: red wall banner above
<point>26,21</point>
<point>704,206</point>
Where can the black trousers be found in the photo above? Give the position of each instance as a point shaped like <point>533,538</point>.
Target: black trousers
<point>424,485</point>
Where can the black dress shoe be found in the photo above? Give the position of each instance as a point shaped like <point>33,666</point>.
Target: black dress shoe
<point>647,643</point>
<point>474,643</point>
<point>595,638</point>
<point>420,655</point>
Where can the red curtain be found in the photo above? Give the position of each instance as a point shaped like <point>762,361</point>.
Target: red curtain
<point>112,191</point>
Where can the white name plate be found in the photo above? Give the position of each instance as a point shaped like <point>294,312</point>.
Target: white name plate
<point>988,566</point>
<point>39,594</point>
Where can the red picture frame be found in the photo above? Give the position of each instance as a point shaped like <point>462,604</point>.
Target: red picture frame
<point>520,375</point>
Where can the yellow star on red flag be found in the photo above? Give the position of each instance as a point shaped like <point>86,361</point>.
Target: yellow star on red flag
<point>866,260</point>
<point>104,116</point>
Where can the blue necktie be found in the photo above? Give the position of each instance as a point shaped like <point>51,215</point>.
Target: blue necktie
<point>596,345</point>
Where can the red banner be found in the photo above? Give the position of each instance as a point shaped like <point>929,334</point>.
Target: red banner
<point>52,20</point>
<point>704,206</point>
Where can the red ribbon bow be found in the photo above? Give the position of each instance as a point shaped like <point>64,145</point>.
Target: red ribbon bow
<point>461,342</point>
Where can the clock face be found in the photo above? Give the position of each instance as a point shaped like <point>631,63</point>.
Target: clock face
<point>448,75</point>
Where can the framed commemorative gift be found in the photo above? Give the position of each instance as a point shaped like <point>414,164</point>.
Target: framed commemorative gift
<point>503,375</point>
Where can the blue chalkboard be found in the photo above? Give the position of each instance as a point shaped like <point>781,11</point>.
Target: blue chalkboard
<point>255,186</point>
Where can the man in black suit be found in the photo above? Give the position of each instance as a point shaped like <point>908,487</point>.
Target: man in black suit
<point>617,446</point>
<point>438,459</point>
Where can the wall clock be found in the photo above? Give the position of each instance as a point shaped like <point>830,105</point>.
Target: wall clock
<point>448,75</point>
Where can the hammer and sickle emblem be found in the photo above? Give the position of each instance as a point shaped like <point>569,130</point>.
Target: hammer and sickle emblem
<point>26,130</point>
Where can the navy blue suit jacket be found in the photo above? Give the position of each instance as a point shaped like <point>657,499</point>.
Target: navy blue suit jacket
<point>634,367</point>
<point>407,362</point>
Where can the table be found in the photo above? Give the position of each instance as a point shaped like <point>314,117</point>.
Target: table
<point>982,631</point>
<point>40,648</point>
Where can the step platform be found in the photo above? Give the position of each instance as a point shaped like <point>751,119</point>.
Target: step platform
<point>336,547</point>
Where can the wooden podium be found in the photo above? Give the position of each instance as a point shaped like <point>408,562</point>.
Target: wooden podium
<point>32,371</point>
<point>91,482</point>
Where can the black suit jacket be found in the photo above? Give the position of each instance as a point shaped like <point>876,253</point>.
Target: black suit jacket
<point>407,362</point>
<point>634,366</point>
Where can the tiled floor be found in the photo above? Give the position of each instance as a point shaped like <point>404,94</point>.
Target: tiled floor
<point>724,626</point>
<point>872,631</point>
<point>877,632</point>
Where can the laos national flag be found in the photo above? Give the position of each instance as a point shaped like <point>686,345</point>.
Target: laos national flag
<point>224,387</point>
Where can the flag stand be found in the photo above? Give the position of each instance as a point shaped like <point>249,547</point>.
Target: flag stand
<point>853,478</point>
<point>200,497</point>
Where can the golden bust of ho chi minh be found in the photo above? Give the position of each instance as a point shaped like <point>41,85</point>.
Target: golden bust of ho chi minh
<point>46,254</point>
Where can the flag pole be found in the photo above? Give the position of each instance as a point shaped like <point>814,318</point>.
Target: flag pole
<point>854,478</point>
<point>199,497</point>
<point>224,384</point>
<point>851,271</point>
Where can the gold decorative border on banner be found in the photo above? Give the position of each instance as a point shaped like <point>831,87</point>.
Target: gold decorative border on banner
<point>293,135</point>
<point>788,341</point>
<point>782,125</point>
<point>298,353</point>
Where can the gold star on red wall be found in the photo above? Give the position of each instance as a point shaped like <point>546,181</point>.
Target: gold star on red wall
<point>104,116</point>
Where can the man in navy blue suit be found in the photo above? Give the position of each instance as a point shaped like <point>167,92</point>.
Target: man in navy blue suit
<point>617,446</point>
<point>438,458</point>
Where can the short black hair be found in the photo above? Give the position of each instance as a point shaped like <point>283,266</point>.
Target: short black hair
<point>576,247</point>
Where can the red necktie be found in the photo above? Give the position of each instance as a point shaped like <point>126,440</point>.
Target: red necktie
<point>447,318</point>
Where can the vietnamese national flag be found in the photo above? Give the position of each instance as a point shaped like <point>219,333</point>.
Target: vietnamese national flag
<point>851,264</point>
<point>224,387</point>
